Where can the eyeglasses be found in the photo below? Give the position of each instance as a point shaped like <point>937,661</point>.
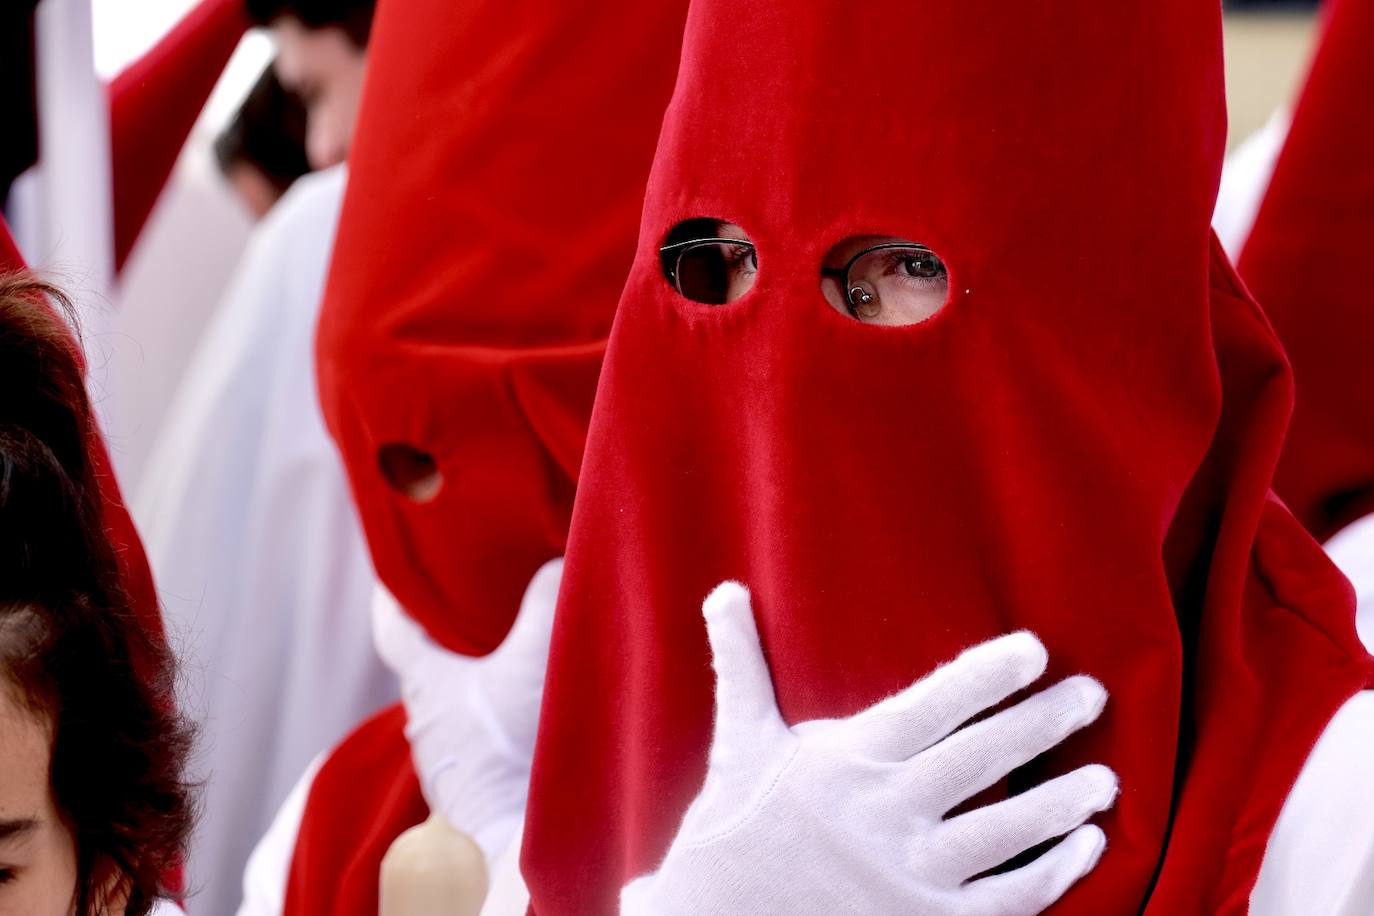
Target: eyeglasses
<point>713,270</point>
<point>899,275</point>
<point>908,279</point>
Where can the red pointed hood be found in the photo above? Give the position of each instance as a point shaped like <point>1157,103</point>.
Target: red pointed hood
<point>154,102</point>
<point>1307,262</point>
<point>1079,443</point>
<point>495,185</point>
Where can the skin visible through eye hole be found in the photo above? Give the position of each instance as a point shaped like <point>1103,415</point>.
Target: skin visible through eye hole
<point>907,287</point>
<point>37,848</point>
<point>743,268</point>
<point>324,68</point>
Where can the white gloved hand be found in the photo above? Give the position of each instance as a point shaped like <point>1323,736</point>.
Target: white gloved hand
<point>472,722</point>
<point>840,816</point>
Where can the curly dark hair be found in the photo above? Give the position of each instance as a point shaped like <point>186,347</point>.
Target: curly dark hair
<point>69,638</point>
<point>353,16</point>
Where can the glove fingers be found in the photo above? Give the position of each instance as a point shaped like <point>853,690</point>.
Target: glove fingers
<point>746,708</point>
<point>1035,887</point>
<point>989,836</point>
<point>916,718</point>
<point>970,760</point>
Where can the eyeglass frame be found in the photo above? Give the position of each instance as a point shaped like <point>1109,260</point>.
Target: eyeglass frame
<point>679,248</point>
<point>842,273</point>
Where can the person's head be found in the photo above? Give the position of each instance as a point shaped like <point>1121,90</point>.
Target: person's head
<point>94,809</point>
<point>877,279</point>
<point>321,56</point>
<point>262,151</point>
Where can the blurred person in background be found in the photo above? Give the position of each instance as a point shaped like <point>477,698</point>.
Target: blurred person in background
<point>252,533</point>
<point>321,57</point>
<point>262,151</point>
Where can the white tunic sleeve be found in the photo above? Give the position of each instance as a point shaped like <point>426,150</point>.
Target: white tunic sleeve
<point>508,895</point>
<point>269,867</point>
<point>1320,857</point>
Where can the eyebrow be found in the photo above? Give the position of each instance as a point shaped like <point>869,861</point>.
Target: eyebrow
<point>14,829</point>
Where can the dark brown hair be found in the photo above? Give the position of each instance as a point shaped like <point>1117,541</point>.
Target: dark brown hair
<point>268,133</point>
<point>354,17</point>
<point>69,639</point>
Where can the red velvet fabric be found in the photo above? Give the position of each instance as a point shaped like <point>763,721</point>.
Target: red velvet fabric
<point>495,183</point>
<point>1307,262</point>
<point>119,527</point>
<point>364,796</point>
<point>1081,443</point>
<point>154,102</point>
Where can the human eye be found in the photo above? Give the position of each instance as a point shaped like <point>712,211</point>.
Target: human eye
<point>743,259</point>
<point>917,265</point>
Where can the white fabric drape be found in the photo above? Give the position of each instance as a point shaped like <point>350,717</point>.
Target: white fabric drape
<point>257,550</point>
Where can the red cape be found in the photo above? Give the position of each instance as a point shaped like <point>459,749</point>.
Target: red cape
<point>1307,262</point>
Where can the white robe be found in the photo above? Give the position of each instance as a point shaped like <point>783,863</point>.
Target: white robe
<point>256,547</point>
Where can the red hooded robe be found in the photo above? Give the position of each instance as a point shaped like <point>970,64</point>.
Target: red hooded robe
<point>1080,443</point>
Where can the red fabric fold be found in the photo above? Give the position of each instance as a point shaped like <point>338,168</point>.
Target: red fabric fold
<point>364,796</point>
<point>154,103</point>
<point>1081,443</point>
<point>1307,262</point>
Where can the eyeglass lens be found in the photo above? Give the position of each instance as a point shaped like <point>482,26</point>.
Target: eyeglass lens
<point>716,273</point>
<point>902,284</point>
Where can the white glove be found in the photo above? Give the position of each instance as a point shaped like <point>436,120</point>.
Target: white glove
<point>472,722</point>
<point>840,816</point>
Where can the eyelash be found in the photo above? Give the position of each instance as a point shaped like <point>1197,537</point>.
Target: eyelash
<point>742,257</point>
<point>894,267</point>
<point>6,875</point>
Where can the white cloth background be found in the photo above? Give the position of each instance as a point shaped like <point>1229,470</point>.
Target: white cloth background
<point>258,554</point>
